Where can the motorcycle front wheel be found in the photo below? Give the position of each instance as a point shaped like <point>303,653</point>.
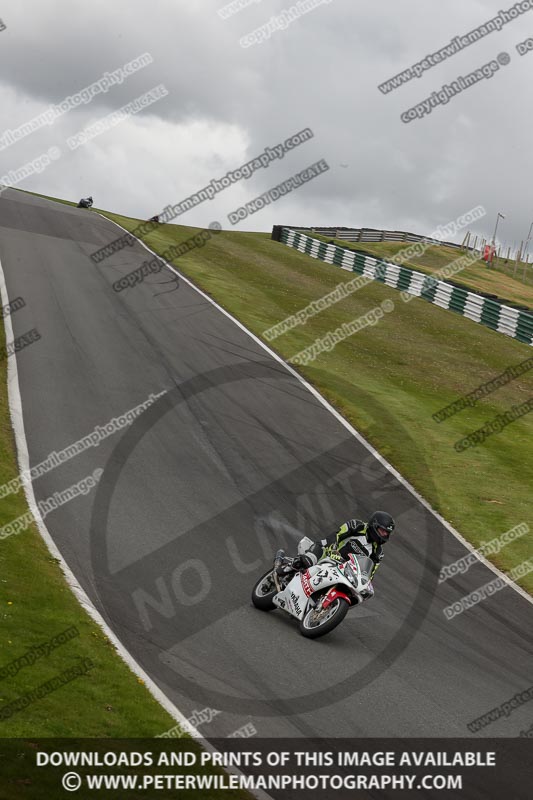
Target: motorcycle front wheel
<point>317,623</point>
<point>264,591</point>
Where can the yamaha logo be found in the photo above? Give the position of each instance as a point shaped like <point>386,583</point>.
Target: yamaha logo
<point>295,603</point>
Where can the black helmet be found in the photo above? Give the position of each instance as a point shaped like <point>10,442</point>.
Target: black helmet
<point>380,526</point>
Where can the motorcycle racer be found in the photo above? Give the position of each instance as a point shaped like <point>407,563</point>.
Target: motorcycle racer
<point>353,537</point>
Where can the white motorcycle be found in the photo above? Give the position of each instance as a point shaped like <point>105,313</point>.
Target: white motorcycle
<point>319,597</point>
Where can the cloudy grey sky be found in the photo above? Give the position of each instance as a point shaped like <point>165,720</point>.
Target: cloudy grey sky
<point>226,103</point>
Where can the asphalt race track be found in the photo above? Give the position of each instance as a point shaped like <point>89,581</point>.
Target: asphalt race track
<point>233,461</point>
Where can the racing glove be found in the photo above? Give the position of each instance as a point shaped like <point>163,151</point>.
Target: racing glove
<point>303,562</point>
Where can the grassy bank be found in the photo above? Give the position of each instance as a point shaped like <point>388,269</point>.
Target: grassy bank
<point>498,279</point>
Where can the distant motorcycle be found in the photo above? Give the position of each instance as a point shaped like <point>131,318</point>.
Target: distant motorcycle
<point>321,596</point>
<point>85,202</point>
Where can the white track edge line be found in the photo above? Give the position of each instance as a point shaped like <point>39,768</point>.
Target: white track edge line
<point>17,420</point>
<point>360,438</point>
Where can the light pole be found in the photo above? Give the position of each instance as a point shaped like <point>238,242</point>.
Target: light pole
<point>494,235</point>
<point>528,239</point>
<point>496,227</point>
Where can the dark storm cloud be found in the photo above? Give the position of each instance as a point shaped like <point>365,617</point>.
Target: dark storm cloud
<point>226,103</point>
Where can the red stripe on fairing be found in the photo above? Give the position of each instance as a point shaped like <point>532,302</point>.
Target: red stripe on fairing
<point>332,595</point>
<point>306,583</point>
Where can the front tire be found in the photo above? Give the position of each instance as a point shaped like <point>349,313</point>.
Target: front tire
<point>315,624</point>
<point>264,591</point>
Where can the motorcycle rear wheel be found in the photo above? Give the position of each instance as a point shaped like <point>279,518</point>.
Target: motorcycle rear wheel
<point>264,592</point>
<point>315,624</point>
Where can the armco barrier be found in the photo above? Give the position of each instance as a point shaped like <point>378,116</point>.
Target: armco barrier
<point>511,321</point>
<point>375,235</point>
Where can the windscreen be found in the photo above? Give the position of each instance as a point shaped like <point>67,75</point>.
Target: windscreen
<point>366,565</point>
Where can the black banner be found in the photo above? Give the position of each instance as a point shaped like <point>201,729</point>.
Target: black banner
<point>285,769</point>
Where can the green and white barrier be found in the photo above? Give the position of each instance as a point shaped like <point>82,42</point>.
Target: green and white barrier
<point>492,313</point>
